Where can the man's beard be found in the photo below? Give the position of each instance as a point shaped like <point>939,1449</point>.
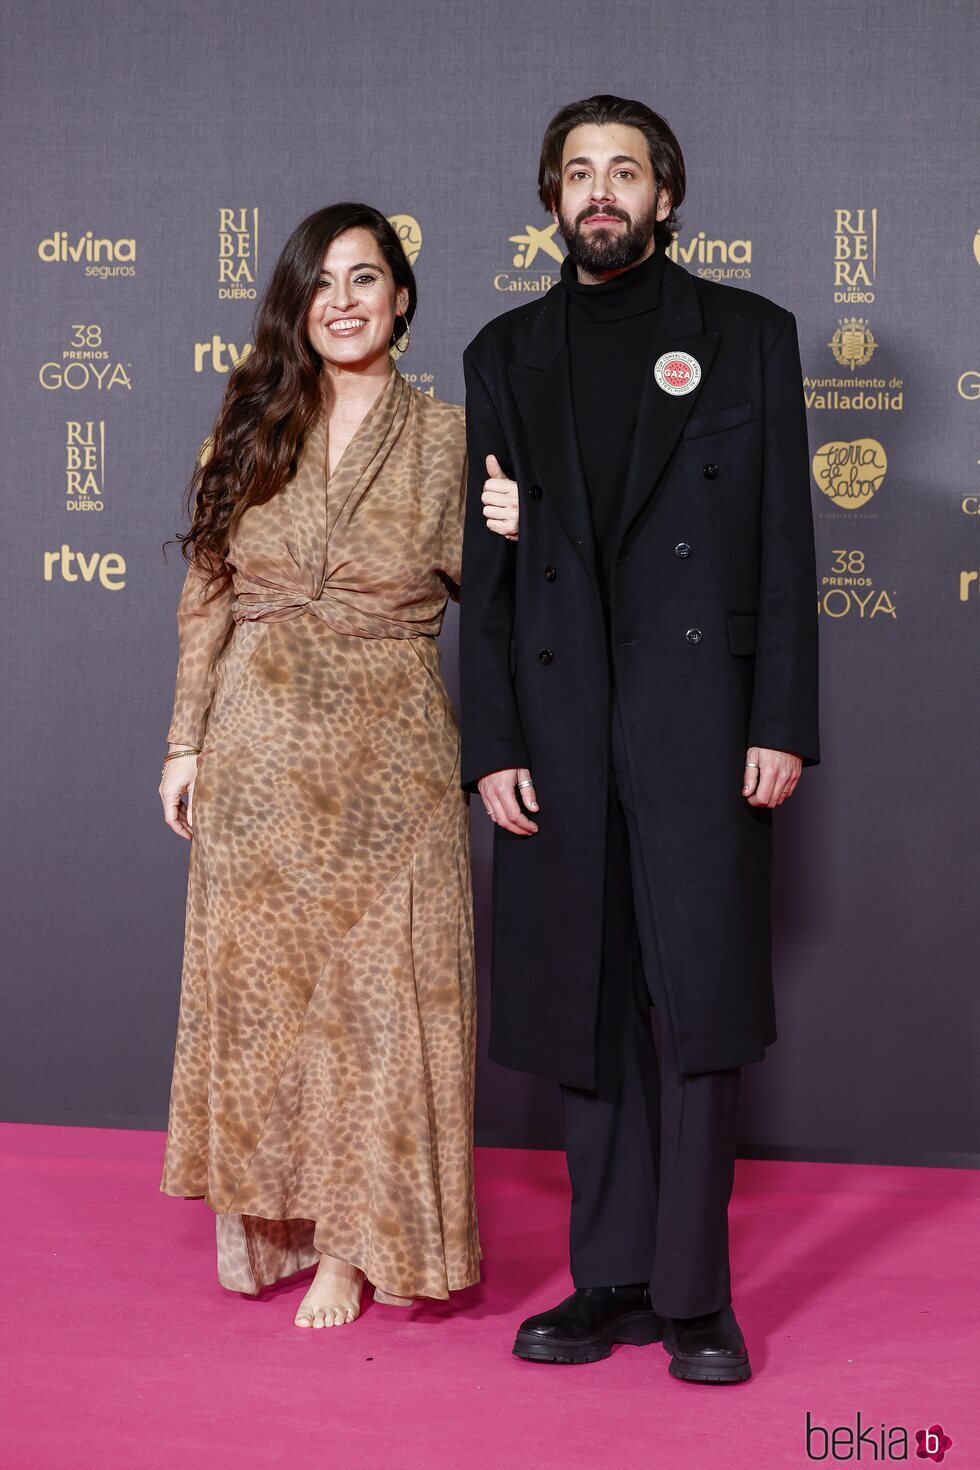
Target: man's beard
<point>600,250</point>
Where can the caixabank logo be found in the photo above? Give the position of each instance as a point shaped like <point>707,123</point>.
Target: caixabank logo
<point>536,258</point>
<point>714,259</point>
<point>97,256</point>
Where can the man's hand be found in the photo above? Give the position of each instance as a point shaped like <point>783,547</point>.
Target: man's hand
<point>770,776</point>
<point>501,506</point>
<point>499,795</point>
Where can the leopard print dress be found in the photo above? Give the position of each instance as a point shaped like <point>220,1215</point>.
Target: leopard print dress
<point>323,1081</point>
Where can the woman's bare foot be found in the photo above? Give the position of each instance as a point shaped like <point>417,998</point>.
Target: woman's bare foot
<point>388,1299</point>
<point>334,1297</point>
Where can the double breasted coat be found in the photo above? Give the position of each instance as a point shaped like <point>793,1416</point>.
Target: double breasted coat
<point>710,644</point>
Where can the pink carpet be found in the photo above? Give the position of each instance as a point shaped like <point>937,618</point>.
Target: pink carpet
<point>857,1288</point>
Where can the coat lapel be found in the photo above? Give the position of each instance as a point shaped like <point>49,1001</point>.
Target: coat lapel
<point>542,388</point>
<point>661,416</point>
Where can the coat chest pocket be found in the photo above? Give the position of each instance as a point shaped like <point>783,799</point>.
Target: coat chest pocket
<point>717,420</point>
<point>742,629</point>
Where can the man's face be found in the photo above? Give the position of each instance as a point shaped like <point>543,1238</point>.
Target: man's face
<point>609,197</point>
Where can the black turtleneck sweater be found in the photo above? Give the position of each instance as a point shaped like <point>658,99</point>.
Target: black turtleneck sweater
<point>609,339</point>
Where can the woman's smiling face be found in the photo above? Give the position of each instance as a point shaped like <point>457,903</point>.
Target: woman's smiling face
<point>352,314</point>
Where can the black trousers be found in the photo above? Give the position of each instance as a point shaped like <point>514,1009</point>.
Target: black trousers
<point>651,1152</point>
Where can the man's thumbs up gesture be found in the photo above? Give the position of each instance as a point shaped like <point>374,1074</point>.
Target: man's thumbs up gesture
<point>500,502</point>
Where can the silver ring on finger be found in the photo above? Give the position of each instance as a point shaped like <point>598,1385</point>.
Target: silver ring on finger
<point>522,784</point>
<point>754,765</point>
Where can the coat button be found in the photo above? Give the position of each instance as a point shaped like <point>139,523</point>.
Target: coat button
<point>710,472</point>
<point>682,549</point>
<point>545,656</point>
<point>550,574</point>
<point>534,491</point>
<point>694,635</point>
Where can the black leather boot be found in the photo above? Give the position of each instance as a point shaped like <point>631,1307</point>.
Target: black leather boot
<point>588,1324</point>
<point>709,1349</point>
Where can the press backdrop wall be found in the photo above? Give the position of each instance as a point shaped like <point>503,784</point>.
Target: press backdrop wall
<point>831,152</point>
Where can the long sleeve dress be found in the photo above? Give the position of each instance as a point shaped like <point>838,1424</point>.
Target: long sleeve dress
<point>323,1079</point>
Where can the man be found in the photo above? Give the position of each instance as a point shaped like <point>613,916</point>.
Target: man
<point>639,692</point>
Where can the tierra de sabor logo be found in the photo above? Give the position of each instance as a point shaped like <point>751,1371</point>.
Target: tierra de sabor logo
<point>409,233</point>
<point>238,254</point>
<point>714,260</point>
<point>848,590</point>
<point>85,363</point>
<point>105,568</point>
<point>533,246</point>
<point>850,471</point>
<point>85,464</point>
<point>101,258</point>
<point>855,256</point>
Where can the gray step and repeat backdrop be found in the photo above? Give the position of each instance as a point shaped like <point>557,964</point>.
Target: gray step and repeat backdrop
<point>156,157</point>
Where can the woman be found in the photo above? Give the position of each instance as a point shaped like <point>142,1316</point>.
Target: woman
<point>323,1081</point>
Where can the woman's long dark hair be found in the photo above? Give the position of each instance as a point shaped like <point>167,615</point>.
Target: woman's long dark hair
<point>274,393</point>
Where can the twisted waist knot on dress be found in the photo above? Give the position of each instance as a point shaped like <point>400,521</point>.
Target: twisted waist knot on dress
<point>253,607</point>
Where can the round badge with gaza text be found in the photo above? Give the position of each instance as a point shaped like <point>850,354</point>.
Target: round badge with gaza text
<point>677,373</point>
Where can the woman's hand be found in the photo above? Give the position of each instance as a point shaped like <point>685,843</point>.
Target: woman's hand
<point>500,501</point>
<point>176,783</point>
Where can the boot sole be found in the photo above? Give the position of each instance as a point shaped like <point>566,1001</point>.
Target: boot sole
<point>690,1370</point>
<point>638,1329</point>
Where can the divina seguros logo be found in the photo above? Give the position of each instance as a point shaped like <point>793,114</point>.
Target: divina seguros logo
<point>714,260</point>
<point>101,257</point>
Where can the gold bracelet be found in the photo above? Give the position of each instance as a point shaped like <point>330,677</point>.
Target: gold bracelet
<point>176,754</point>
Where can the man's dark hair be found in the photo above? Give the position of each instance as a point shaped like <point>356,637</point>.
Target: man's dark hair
<point>663,148</point>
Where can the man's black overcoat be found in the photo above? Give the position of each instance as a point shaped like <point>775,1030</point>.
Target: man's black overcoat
<point>712,647</point>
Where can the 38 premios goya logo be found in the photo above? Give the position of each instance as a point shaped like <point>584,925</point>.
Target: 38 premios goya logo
<point>86,363</point>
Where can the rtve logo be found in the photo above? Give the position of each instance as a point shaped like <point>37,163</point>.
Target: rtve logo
<point>213,354</point>
<point>109,565</point>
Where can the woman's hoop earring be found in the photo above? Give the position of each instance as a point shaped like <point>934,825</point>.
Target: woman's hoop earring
<point>396,336</point>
